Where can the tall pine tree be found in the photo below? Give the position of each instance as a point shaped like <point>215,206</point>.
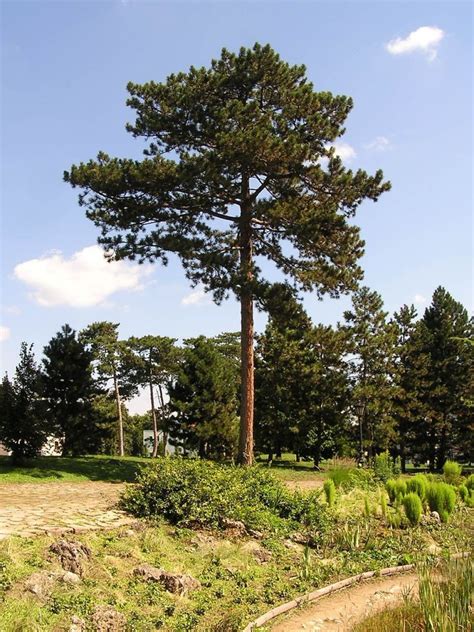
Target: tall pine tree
<point>235,170</point>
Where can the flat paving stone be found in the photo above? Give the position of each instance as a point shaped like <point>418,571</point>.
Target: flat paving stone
<point>28,509</point>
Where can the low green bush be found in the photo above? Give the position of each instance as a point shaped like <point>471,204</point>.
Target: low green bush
<point>441,497</point>
<point>330,491</point>
<point>385,467</point>
<point>396,489</point>
<point>189,492</point>
<point>463,492</point>
<point>413,507</point>
<point>452,472</point>
<point>470,482</point>
<point>348,478</point>
<point>418,485</point>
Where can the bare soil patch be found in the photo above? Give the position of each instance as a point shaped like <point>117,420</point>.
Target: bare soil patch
<point>340,611</point>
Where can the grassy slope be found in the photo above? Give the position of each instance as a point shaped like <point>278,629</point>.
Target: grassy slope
<point>56,469</point>
<point>235,587</point>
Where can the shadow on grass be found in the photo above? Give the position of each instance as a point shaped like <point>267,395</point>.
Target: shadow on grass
<point>109,469</point>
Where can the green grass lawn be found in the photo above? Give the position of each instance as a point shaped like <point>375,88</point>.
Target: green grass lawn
<point>53,469</point>
<point>114,469</point>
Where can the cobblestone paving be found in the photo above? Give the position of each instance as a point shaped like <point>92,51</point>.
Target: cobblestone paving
<point>33,508</point>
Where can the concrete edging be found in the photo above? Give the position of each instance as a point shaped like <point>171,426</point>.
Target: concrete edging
<point>327,590</point>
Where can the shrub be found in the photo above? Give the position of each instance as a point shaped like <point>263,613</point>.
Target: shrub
<point>391,489</point>
<point>413,508</point>
<point>452,471</point>
<point>418,485</point>
<point>187,491</point>
<point>383,504</point>
<point>463,493</point>
<point>441,497</point>
<point>348,478</point>
<point>330,491</point>
<point>384,466</point>
<point>470,482</point>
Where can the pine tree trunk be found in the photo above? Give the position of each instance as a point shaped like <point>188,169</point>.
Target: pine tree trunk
<point>118,402</point>
<point>245,456</point>
<point>154,454</point>
<point>163,425</point>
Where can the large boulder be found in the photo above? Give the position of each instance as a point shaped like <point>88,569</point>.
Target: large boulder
<point>71,555</point>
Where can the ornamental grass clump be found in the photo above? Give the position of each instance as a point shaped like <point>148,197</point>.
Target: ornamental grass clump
<point>190,492</point>
<point>330,492</point>
<point>396,489</point>
<point>418,485</point>
<point>452,472</point>
<point>413,508</point>
<point>441,497</point>
<point>470,482</point>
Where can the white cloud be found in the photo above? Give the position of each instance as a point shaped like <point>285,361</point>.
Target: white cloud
<point>84,280</point>
<point>345,151</point>
<point>419,299</point>
<point>4,333</point>
<point>12,309</point>
<point>380,143</point>
<point>425,39</point>
<point>196,297</point>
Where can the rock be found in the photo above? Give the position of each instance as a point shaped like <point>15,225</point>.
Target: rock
<point>258,535</point>
<point>299,538</point>
<point>129,533</point>
<point>435,517</point>
<point>40,584</point>
<point>172,582</point>
<point>70,578</point>
<point>107,619</point>
<point>236,526</point>
<point>293,545</point>
<point>77,624</point>
<point>260,554</point>
<point>71,555</point>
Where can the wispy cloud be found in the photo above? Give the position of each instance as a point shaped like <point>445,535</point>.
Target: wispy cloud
<point>4,333</point>
<point>345,151</point>
<point>84,280</point>
<point>380,143</point>
<point>196,297</point>
<point>425,40</point>
<point>12,309</point>
<point>419,299</point>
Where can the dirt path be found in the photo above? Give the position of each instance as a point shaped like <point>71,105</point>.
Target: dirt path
<point>34,508</point>
<point>340,611</point>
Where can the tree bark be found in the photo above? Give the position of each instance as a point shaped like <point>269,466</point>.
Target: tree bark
<point>154,454</point>
<point>163,424</point>
<point>118,402</point>
<point>245,456</point>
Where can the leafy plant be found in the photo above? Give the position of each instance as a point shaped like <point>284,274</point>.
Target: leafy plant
<point>452,471</point>
<point>330,491</point>
<point>413,507</point>
<point>470,482</point>
<point>385,467</point>
<point>396,489</point>
<point>187,491</point>
<point>418,485</point>
<point>441,497</point>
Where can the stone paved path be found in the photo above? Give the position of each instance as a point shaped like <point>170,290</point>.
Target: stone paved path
<point>33,508</point>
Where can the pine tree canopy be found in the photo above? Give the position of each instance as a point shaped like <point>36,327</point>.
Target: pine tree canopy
<point>249,132</point>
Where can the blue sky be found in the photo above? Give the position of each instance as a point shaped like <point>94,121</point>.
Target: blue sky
<point>65,66</point>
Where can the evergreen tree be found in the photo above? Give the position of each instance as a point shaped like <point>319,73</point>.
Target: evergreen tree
<point>372,345</point>
<point>157,358</point>
<point>69,390</point>
<point>235,170</point>
<point>409,377</point>
<point>23,428</point>
<point>203,400</point>
<point>114,362</point>
<point>448,418</point>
